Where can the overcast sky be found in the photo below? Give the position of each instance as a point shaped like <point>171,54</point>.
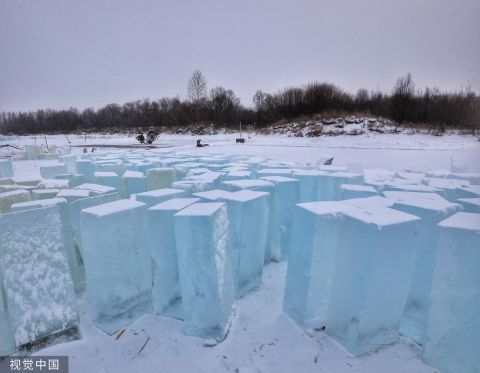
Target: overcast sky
<point>87,53</point>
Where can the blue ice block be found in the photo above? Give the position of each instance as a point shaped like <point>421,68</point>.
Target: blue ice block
<point>311,262</point>
<point>308,183</point>
<point>167,299</point>
<point>110,179</point>
<point>154,197</point>
<point>118,167</point>
<point>70,162</point>
<point>285,172</point>
<point>134,182</point>
<point>329,184</point>
<point>449,186</point>
<point>49,172</point>
<point>431,212</point>
<point>85,167</point>
<point>73,255</point>
<point>206,269</point>
<point>158,178</point>
<point>272,248</point>
<point>357,191</point>
<point>373,266</point>
<point>470,204</point>
<point>96,189</point>
<point>7,199</point>
<point>248,214</point>
<point>287,195</point>
<point>72,195</point>
<point>144,166</point>
<point>237,174</point>
<point>6,168</point>
<point>38,287</point>
<point>118,268</point>
<point>44,193</point>
<point>74,179</point>
<point>454,323</point>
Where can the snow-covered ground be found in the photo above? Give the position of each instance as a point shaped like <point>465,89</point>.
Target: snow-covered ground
<point>261,339</point>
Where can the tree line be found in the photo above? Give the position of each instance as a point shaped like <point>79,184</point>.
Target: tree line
<point>222,108</point>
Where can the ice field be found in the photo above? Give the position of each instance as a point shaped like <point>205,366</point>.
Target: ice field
<point>242,257</point>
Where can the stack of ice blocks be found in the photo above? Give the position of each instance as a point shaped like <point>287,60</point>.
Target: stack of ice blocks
<point>117,262</point>
<point>373,267</point>
<point>311,263</point>
<point>454,323</point>
<point>287,195</point>
<point>158,178</point>
<point>432,209</point>
<point>111,179</point>
<point>33,261</point>
<point>205,267</point>
<point>167,299</point>
<point>49,172</point>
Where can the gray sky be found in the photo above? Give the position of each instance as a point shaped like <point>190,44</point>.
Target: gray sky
<point>62,53</point>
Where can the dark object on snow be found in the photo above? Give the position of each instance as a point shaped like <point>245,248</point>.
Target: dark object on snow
<point>140,138</point>
<point>328,162</point>
<point>241,140</point>
<point>200,145</point>
<point>151,136</point>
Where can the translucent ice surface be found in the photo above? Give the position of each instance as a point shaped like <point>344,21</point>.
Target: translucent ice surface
<point>470,204</point>
<point>167,299</point>
<point>205,267</point>
<point>373,267</point>
<point>453,325</point>
<point>7,344</point>
<point>38,287</point>
<point>117,259</point>
<point>134,182</point>
<point>357,191</point>
<point>49,172</point>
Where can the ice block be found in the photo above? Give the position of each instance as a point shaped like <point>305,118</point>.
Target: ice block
<point>7,199</point>
<point>38,286</point>
<point>134,182</point>
<point>117,259</point>
<point>329,184</point>
<point>206,269</point>
<point>470,204</point>
<point>49,172</point>
<point>311,264</point>
<point>6,168</point>
<point>453,325</point>
<point>154,197</point>
<point>373,267</point>
<point>167,299</point>
<point>357,191</point>
<point>158,178</point>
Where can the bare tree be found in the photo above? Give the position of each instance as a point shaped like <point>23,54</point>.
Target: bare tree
<point>197,87</point>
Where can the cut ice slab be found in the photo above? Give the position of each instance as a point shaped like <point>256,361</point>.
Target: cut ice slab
<point>470,204</point>
<point>357,191</point>
<point>73,255</point>
<point>110,179</point>
<point>117,259</point>
<point>373,266</point>
<point>287,195</point>
<point>7,343</point>
<point>154,197</point>
<point>206,269</point>
<point>38,286</point>
<point>96,189</point>
<point>453,324</point>
<point>7,199</point>
<point>431,212</point>
<point>311,263</point>
<point>6,168</point>
<point>49,172</point>
<point>54,184</point>
<point>329,184</point>
<point>72,195</point>
<point>134,182</point>
<point>167,299</point>
<point>272,248</point>
<point>158,178</point>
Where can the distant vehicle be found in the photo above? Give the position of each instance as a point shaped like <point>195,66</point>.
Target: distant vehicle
<point>140,138</point>
<point>199,144</point>
<point>150,137</point>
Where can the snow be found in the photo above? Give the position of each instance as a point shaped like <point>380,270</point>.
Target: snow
<point>380,216</point>
<point>96,188</point>
<point>462,220</point>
